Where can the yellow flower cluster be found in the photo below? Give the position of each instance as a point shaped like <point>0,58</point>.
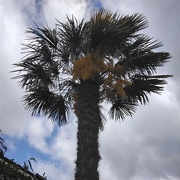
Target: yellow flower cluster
<point>88,67</point>
<point>92,65</point>
<point>118,86</point>
<point>114,86</point>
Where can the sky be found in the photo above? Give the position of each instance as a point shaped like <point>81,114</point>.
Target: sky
<point>144,147</point>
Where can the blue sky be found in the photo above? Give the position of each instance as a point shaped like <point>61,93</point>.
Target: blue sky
<point>146,146</point>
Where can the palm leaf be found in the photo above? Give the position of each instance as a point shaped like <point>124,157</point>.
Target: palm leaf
<point>58,110</point>
<point>122,108</point>
<point>143,85</point>
<point>138,55</point>
<point>47,35</point>
<point>110,32</point>
<point>29,161</point>
<point>42,101</point>
<point>73,35</point>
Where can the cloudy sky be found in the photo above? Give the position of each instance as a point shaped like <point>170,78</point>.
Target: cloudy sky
<point>145,147</point>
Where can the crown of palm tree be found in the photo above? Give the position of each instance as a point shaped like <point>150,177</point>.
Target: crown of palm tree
<point>107,49</point>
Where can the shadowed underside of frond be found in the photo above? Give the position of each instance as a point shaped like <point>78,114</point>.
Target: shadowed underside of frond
<point>42,101</point>
<point>122,108</point>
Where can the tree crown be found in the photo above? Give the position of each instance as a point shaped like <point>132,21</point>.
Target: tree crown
<point>107,49</point>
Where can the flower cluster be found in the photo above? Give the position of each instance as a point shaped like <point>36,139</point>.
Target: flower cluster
<point>88,67</point>
<point>114,86</point>
<point>92,65</point>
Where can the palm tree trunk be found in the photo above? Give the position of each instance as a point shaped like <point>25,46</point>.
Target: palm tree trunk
<point>89,121</point>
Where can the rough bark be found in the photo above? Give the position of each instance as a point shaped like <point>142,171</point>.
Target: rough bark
<point>89,121</point>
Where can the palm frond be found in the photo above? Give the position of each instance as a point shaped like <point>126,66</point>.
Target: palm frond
<point>44,34</point>
<point>110,31</point>
<point>73,35</point>
<point>143,85</point>
<point>134,23</point>
<point>39,73</point>
<point>138,55</point>
<point>148,63</point>
<point>38,101</point>
<point>42,101</point>
<point>122,108</point>
<point>141,44</point>
<point>59,110</point>
<point>33,75</point>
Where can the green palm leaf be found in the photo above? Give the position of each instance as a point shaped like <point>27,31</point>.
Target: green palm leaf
<point>73,35</point>
<point>42,101</point>
<point>122,108</point>
<point>110,32</point>
<point>138,56</point>
<point>143,85</point>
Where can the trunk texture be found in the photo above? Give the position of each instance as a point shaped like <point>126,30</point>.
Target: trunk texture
<point>89,121</point>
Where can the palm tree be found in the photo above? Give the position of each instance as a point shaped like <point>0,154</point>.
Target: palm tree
<point>80,64</point>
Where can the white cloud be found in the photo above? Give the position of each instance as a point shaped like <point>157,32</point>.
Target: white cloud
<point>64,144</point>
<point>61,149</point>
<point>54,9</point>
<point>38,131</point>
<point>11,32</point>
<point>145,146</point>
<point>52,170</point>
